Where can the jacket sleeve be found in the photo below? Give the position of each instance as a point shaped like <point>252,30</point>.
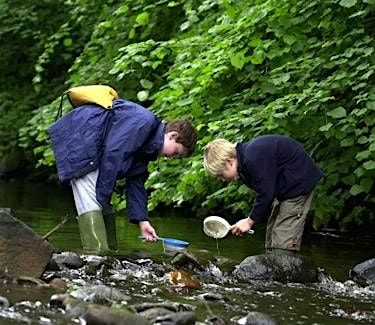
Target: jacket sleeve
<point>264,183</point>
<point>136,197</point>
<point>125,136</point>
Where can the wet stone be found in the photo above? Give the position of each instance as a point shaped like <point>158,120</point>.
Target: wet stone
<point>4,303</point>
<point>104,271</point>
<point>192,260</point>
<point>364,273</point>
<point>57,300</point>
<point>95,261</point>
<point>174,307</point>
<point>99,265</point>
<point>153,313</point>
<point>29,281</point>
<point>211,296</point>
<point>100,294</point>
<point>68,259</point>
<point>274,267</point>
<point>257,318</point>
<point>105,316</point>
<point>183,279</point>
<point>59,283</point>
<point>22,251</point>
<point>182,318</point>
<point>131,266</point>
<point>215,320</point>
<point>53,266</point>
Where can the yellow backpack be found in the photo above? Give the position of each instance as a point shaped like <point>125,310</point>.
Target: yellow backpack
<point>101,95</point>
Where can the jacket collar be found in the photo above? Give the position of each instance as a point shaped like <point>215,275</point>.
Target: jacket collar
<point>155,142</point>
<point>241,167</point>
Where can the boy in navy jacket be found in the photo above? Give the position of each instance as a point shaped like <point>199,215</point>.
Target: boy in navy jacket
<point>283,176</point>
<point>95,147</point>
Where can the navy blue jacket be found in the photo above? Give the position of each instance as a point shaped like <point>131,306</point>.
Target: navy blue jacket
<point>275,166</point>
<point>119,142</point>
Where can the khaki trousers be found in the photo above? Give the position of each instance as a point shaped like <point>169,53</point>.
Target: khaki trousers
<point>286,223</point>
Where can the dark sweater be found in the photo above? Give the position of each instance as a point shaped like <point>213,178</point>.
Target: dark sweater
<point>278,167</point>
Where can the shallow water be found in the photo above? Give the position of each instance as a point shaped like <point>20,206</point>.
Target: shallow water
<point>334,302</point>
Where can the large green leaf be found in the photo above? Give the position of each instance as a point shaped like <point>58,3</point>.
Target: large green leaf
<point>348,3</point>
<point>338,112</point>
<point>369,165</point>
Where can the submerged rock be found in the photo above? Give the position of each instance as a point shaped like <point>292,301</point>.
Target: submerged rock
<point>68,259</point>
<point>166,313</point>
<point>364,273</point>
<point>182,318</point>
<point>153,313</point>
<point>22,251</point>
<point>187,260</point>
<point>106,316</point>
<point>214,320</point>
<point>274,267</point>
<point>59,283</point>
<point>183,279</point>
<point>256,318</point>
<point>100,294</point>
<point>172,306</point>
<point>96,314</point>
<point>212,296</point>
<point>200,260</point>
<point>4,302</point>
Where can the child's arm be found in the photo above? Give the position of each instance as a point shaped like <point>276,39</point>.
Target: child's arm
<point>242,226</point>
<point>136,202</point>
<point>147,231</point>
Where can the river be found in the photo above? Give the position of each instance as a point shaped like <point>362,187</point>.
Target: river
<point>42,206</point>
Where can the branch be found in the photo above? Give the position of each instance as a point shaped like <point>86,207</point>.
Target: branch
<point>57,227</point>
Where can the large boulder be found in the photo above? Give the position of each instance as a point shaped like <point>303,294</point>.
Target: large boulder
<point>275,267</point>
<point>22,251</point>
<point>364,273</point>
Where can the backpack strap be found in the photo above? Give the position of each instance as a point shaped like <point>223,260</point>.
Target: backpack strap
<point>59,111</point>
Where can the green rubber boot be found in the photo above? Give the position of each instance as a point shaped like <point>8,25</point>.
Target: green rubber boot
<point>93,232</point>
<point>110,227</point>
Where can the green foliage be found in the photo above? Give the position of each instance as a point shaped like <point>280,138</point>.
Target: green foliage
<point>22,37</point>
<point>40,41</point>
<point>238,69</point>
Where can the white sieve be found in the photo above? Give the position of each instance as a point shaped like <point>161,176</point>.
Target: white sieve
<point>217,227</point>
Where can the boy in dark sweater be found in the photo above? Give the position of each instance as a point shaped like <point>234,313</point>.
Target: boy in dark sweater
<point>283,176</point>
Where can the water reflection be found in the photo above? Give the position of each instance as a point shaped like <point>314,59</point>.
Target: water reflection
<point>330,302</point>
<point>43,206</point>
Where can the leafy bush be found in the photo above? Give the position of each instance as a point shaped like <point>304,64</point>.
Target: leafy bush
<point>239,69</point>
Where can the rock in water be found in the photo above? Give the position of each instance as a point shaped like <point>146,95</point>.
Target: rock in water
<point>257,318</point>
<point>182,279</point>
<point>22,251</point>
<point>273,267</point>
<point>364,273</point>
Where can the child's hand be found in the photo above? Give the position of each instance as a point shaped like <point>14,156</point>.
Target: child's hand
<point>242,227</point>
<point>148,232</point>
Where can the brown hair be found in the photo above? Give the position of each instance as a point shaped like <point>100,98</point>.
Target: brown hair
<point>187,135</point>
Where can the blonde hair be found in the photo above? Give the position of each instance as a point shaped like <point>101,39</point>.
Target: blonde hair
<point>216,154</point>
